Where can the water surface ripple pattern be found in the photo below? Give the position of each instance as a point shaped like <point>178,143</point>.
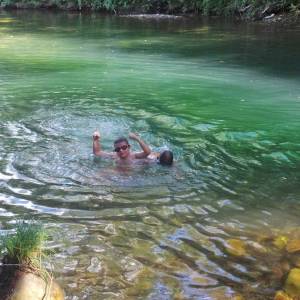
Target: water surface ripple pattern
<point>230,111</point>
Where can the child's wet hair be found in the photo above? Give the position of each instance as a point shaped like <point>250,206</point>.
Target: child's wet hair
<point>166,158</point>
<point>120,140</point>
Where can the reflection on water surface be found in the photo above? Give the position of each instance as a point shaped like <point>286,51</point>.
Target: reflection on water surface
<point>223,222</point>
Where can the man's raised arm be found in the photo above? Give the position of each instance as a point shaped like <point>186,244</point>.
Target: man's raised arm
<point>96,143</point>
<point>146,149</point>
<point>97,150</point>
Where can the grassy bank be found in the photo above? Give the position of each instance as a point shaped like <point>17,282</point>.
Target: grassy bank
<point>248,9</point>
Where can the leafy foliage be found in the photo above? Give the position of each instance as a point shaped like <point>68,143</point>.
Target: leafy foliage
<point>205,7</point>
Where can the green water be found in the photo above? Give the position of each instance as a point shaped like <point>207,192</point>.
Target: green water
<point>224,96</point>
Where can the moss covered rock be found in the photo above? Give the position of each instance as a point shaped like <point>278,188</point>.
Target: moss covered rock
<point>292,284</point>
<point>281,295</point>
<point>280,242</point>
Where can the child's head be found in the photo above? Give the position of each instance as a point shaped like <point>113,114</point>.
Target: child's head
<point>166,158</point>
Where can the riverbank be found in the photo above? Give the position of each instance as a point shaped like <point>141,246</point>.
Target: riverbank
<point>270,11</point>
<point>280,18</point>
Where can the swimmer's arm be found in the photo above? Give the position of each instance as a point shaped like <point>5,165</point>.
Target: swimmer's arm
<point>146,149</point>
<point>97,147</point>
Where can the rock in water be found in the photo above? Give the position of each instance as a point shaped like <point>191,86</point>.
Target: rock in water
<point>32,287</point>
<point>292,284</point>
<point>236,247</point>
<point>293,246</point>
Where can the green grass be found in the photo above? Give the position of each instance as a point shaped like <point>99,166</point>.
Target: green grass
<point>25,246</point>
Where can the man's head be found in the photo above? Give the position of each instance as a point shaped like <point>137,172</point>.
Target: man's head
<point>122,147</point>
<point>166,158</point>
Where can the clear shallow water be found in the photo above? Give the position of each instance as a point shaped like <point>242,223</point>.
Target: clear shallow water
<point>224,96</point>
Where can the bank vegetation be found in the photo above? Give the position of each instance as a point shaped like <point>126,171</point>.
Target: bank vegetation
<point>245,9</point>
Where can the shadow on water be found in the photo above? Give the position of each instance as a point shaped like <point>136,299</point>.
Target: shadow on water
<point>270,49</point>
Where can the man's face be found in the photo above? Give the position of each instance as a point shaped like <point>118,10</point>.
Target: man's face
<point>122,149</point>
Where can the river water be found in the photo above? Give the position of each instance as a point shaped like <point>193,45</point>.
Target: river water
<point>224,96</point>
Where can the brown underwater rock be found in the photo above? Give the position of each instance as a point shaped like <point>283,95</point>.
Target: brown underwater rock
<point>293,246</point>
<point>236,247</point>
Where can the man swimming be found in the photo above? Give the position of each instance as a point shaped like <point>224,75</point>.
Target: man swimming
<point>121,148</point>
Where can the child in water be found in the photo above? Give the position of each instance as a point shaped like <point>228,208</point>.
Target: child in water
<point>164,157</point>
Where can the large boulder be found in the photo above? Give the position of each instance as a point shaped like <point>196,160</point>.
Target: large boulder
<point>30,286</point>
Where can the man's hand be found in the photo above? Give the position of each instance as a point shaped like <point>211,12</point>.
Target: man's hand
<point>96,135</point>
<point>133,136</point>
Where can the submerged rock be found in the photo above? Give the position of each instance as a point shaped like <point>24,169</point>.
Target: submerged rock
<point>256,247</point>
<point>281,295</point>
<point>293,246</point>
<point>238,297</point>
<point>292,284</point>
<point>279,270</point>
<point>236,247</point>
<point>295,260</point>
<point>280,242</point>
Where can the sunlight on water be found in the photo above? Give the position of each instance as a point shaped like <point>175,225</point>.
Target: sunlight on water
<point>223,221</point>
